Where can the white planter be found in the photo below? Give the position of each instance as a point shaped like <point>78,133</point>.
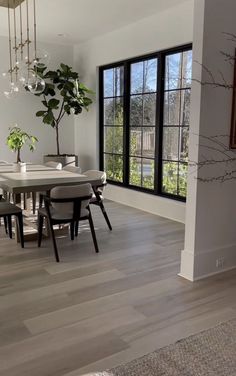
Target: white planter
<point>19,167</point>
<point>65,160</point>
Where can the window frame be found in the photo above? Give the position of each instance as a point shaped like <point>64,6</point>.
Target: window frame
<point>160,56</point>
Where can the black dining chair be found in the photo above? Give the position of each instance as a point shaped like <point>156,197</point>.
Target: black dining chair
<point>7,210</point>
<point>66,204</point>
<point>98,189</point>
<point>4,218</point>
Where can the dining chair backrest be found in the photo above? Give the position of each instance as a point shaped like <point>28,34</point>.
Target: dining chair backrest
<point>99,176</point>
<point>76,170</point>
<point>67,192</point>
<point>56,165</point>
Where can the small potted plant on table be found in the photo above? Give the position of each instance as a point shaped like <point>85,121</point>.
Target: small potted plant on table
<point>16,140</point>
<point>63,95</point>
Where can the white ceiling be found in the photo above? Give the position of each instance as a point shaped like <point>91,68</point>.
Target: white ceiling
<point>80,20</point>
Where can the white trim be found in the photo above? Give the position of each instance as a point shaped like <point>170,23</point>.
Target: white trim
<point>164,207</point>
<point>196,266</point>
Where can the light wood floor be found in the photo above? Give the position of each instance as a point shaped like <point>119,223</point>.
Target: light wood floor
<point>92,312</point>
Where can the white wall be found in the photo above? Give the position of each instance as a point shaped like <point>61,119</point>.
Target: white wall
<point>22,109</point>
<point>167,29</point>
<point>211,207</point>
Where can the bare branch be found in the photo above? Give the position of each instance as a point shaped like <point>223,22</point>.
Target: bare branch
<point>212,82</point>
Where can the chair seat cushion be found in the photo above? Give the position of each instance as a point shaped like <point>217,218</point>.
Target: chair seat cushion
<point>63,215</point>
<point>6,208</point>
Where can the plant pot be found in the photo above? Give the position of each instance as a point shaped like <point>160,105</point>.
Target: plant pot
<point>65,160</point>
<point>19,167</point>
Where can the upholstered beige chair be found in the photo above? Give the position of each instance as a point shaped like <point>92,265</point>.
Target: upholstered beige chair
<point>97,198</point>
<point>56,165</point>
<point>75,169</point>
<point>69,204</point>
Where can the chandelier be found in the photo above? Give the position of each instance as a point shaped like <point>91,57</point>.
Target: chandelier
<point>24,57</point>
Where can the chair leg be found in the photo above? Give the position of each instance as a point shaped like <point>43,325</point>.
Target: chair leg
<point>93,231</point>
<point>5,224</point>
<point>40,200</point>
<point>72,230</point>
<point>25,200</point>
<point>54,241</point>
<point>21,229</point>
<point>40,229</point>
<point>76,228</point>
<point>34,199</point>
<point>105,215</point>
<point>9,222</point>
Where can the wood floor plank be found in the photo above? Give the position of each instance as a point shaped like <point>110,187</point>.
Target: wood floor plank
<point>57,363</point>
<point>94,311</point>
<point>68,336</point>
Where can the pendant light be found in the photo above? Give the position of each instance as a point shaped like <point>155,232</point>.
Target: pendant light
<point>23,60</point>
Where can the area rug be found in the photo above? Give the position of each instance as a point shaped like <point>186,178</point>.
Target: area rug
<point>209,353</point>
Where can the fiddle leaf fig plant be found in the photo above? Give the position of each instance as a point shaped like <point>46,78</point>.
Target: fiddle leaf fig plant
<point>17,139</point>
<point>64,94</point>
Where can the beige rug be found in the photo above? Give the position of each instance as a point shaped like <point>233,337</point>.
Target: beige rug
<point>209,353</point>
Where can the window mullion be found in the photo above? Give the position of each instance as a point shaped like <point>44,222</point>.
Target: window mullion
<point>101,120</point>
<point>126,136</point>
<point>159,122</point>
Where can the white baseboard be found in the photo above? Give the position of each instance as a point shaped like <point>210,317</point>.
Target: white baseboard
<point>164,207</point>
<point>196,266</point>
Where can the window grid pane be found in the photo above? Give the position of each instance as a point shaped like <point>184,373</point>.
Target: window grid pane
<point>176,118</point>
<point>143,103</point>
<point>132,122</point>
<point>113,122</point>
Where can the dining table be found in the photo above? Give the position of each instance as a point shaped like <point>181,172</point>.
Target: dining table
<point>37,178</point>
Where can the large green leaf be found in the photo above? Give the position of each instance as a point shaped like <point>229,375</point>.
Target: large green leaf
<point>40,113</point>
<point>84,88</point>
<point>51,74</point>
<point>53,104</point>
<point>65,68</point>
<point>48,118</point>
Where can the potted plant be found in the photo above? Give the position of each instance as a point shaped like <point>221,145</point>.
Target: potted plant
<point>63,95</point>
<point>16,140</point>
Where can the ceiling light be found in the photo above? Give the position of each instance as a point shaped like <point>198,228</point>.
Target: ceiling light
<point>23,60</point>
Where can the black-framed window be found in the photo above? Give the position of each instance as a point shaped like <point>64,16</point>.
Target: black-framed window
<point>144,122</point>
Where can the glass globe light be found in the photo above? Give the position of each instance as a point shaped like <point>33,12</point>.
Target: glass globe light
<point>24,74</point>
<point>12,91</point>
<point>36,85</point>
<point>42,58</point>
<point>6,75</point>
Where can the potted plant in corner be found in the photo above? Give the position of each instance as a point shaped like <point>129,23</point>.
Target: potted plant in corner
<point>63,95</point>
<point>16,140</point>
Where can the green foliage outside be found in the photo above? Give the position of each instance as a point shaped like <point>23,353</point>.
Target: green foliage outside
<point>171,183</point>
<point>142,122</point>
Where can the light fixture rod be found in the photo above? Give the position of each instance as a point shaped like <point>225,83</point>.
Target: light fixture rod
<point>15,47</point>
<point>35,32</point>
<point>9,34</point>
<point>28,40</point>
<point>21,34</point>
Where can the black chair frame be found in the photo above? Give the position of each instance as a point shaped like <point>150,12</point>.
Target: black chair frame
<point>4,217</point>
<point>76,218</point>
<point>8,224</point>
<point>99,202</point>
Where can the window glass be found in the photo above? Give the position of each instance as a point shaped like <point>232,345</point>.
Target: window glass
<point>146,108</point>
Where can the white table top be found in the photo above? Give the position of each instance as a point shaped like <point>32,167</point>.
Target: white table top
<point>39,178</point>
<point>30,167</point>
